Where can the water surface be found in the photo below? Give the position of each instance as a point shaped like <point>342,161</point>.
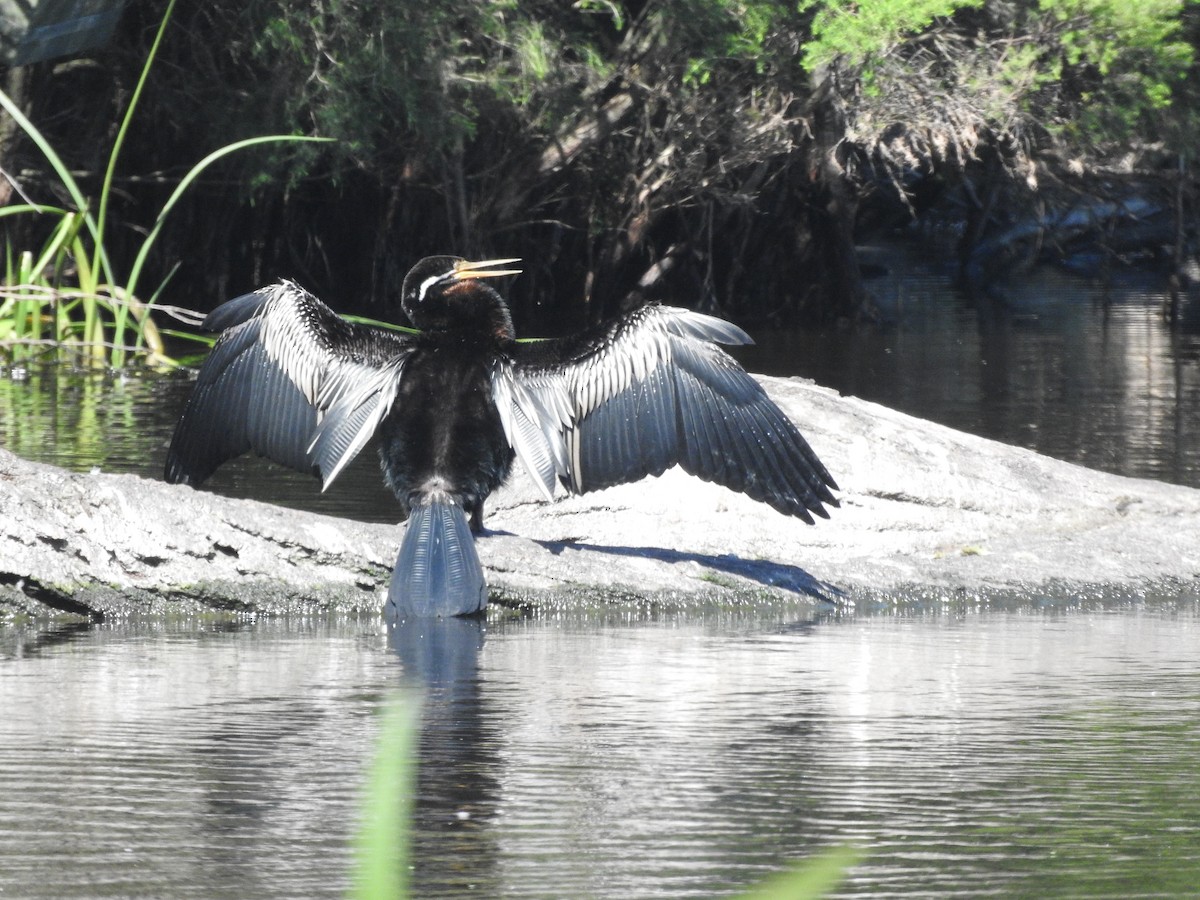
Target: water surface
<point>1025,751</point>
<point>1079,370</point>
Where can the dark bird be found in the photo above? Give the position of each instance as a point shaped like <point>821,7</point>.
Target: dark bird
<point>454,404</point>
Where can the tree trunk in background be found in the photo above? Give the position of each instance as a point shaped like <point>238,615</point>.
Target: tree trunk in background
<point>834,207</point>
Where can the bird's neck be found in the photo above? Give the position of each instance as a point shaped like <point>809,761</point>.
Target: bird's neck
<point>470,314</point>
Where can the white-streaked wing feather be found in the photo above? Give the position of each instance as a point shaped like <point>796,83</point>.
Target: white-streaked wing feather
<point>283,360</point>
<point>354,408</point>
<point>653,391</point>
<point>531,432</point>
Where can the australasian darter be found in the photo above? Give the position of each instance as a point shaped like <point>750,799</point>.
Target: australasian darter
<point>454,404</point>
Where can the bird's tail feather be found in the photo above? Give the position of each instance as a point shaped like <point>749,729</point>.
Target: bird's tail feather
<point>438,572</point>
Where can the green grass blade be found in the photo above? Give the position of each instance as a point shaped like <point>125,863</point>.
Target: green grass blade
<point>376,323</point>
<point>810,878</point>
<point>119,141</point>
<point>148,333</point>
<point>192,175</point>
<point>381,850</point>
<point>25,309</point>
<point>65,233</point>
<point>56,163</point>
<point>121,313</point>
<point>23,208</point>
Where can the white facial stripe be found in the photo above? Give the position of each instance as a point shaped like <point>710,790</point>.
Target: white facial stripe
<point>427,284</point>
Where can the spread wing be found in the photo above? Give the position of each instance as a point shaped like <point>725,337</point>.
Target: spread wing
<point>648,392</point>
<point>290,380</point>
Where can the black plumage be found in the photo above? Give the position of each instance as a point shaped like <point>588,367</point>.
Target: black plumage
<point>454,405</point>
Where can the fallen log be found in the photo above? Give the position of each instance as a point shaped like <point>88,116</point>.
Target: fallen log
<point>926,511</point>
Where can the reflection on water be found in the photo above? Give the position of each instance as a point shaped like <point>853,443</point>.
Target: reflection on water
<point>1076,371</point>
<point>1022,751</point>
<point>124,423</point>
<point>458,788</point>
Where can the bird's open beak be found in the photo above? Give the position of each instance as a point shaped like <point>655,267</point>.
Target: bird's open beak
<point>482,269</point>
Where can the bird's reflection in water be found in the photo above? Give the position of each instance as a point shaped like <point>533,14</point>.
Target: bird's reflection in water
<point>452,849</point>
<point>439,655</point>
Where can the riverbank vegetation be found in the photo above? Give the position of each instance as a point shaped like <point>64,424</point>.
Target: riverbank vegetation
<point>720,154</point>
<point>67,298</point>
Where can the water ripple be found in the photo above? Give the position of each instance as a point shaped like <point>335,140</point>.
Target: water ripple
<point>1024,752</point>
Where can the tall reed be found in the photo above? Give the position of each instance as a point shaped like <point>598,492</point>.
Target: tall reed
<point>66,297</point>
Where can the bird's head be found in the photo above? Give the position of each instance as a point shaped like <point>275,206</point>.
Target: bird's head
<point>444,292</point>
